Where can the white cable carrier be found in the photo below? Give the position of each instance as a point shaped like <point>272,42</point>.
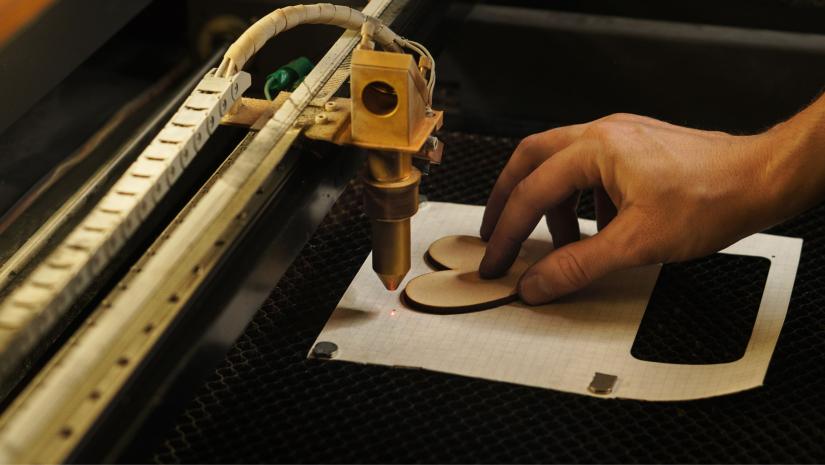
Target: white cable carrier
<point>282,19</point>
<point>53,285</point>
<point>286,18</point>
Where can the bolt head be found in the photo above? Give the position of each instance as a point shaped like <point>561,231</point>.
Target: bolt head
<point>324,349</point>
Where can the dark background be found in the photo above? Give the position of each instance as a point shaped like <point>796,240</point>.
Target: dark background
<point>505,70</point>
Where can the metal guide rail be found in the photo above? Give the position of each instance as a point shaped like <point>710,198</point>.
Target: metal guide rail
<point>35,243</point>
<point>31,309</point>
<point>58,407</point>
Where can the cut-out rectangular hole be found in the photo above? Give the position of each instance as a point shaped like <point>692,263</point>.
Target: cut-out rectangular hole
<point>702,311</point>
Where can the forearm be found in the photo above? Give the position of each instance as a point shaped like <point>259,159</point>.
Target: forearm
<point>795,151</point>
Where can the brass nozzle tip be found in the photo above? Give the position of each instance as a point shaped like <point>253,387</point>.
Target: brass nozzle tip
<point>391,251</point>
<point>391,282</point>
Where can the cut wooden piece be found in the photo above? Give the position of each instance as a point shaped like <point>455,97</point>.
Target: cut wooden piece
<point>457,252</point>
<point>460,289</point>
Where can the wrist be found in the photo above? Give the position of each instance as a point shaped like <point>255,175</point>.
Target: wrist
<point>794,154</point>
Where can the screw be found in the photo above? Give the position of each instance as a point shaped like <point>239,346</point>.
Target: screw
<point>330,106</point>
<point>320,118</point>
<point>324,350</point>
<point>602,384</point>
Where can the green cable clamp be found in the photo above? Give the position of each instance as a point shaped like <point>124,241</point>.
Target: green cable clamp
<point>287,77</point>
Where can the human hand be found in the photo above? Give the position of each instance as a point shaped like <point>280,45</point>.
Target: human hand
<point>663,193</point>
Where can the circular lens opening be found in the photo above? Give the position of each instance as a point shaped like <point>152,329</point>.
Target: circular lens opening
<point>379,98</point>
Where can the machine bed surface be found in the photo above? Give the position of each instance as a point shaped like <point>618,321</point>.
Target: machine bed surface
<point>267,403</point>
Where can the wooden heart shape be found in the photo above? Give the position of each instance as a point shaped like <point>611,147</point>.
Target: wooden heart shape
<point>459,288</point>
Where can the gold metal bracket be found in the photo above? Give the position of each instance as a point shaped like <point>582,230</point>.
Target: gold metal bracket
<point>333,123</point>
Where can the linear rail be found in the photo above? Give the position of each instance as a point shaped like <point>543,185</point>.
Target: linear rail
<point>31,310</point>
<point>63,401</point>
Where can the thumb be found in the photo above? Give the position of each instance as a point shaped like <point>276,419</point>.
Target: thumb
<point>576,265</point>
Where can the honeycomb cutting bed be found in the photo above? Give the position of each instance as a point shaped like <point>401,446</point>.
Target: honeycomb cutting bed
<point>267,403</point>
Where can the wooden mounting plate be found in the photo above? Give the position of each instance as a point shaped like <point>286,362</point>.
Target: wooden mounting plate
<point>335,126</point>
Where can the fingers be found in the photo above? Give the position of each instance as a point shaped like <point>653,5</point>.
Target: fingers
<point>545,188</point>
<point>576,265</point>
<point>605,209</point>
<point>563,221</point>
<point>529,154</point>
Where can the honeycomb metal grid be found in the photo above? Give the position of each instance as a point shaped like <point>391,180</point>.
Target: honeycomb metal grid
<point>268,403</point>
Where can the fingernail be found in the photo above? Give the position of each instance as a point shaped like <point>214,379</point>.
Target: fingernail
<point>534,289</point>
